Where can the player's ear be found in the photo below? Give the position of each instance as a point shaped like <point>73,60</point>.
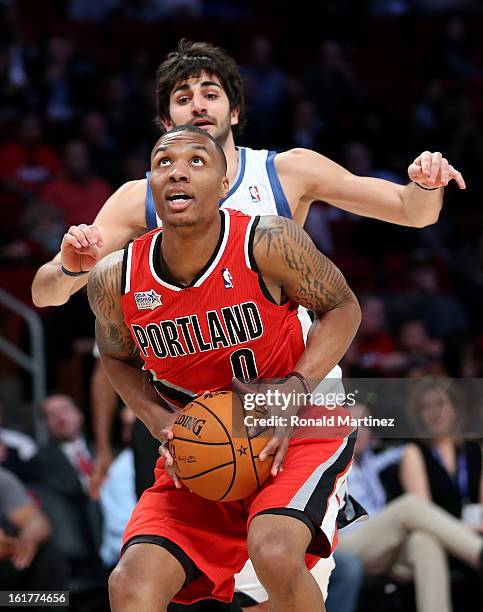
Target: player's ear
<point>225,187</point>
<point>167,123</point>
<point>234,114</point>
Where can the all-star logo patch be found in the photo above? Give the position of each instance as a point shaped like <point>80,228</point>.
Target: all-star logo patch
<point>147,300</point>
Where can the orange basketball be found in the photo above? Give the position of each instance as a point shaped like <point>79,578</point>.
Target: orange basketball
<point>212,454</point>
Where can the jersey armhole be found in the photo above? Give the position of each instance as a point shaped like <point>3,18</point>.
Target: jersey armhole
<point>250,259</point>
<point>126,270</point>
<point>281,202</point>
<point>151,222</point>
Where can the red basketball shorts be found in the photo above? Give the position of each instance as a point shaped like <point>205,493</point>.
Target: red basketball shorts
<point>213,534</point>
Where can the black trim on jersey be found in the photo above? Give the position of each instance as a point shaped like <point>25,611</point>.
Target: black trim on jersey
<point>190,568</point>
<point>123,271</point>
<point>316,505</point>
<point>173,394</point>
<point>170,281</point>
<point>253,263</point>
<point>294,513</point>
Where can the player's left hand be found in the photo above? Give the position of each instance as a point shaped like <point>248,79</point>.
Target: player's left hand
<point>283,408</point>
<point>433,170</point>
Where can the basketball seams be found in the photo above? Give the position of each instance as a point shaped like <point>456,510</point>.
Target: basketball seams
<point>230,441</point>
<point>208,471</point>
<point>202,442</point>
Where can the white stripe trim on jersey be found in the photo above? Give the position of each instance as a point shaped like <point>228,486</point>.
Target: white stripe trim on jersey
<point>220,250</point>
<point>247,242</point>
<point>300,500</point>
<point>127,283</point>
<point>329,522</point>
<point>151,266</point>
<point>305,321</point>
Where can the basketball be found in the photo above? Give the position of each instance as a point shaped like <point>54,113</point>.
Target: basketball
<point>211,451</point>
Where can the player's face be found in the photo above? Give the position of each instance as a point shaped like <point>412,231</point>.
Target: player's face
<point>202,101</point>
<point>187,179</point>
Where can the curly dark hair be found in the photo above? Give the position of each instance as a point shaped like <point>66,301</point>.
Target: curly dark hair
<point>191,59</point>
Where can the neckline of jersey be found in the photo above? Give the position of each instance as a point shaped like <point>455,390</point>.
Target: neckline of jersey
<point>156,260</point>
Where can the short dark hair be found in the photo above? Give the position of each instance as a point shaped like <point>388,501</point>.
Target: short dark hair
<point>197,130</point>
<point>188,61</point>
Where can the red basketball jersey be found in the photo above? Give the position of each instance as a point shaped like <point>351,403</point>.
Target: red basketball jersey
<point>224,324</point>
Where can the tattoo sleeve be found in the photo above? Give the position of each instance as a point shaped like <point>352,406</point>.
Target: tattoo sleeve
<point>104,292</point>
<point>286,254</point>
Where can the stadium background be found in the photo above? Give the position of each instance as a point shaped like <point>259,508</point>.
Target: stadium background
<point>368,83</point>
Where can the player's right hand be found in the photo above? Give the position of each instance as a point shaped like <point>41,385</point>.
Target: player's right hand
<point>165,437</point>
<point>80,248</point>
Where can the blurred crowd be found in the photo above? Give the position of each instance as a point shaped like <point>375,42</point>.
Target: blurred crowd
<point>76,121</point>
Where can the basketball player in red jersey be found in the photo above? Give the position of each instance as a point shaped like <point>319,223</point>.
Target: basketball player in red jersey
<point>212,98</point>
<point>191,297</point>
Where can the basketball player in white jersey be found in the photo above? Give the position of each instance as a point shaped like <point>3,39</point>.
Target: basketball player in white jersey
<point>200,84</point>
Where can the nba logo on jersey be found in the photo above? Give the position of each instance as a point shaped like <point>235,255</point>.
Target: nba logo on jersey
<point>147,299</point>
<point>255,194</point>
<point>227,279</point>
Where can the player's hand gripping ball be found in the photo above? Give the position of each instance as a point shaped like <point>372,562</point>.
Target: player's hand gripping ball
<point>211,451</point>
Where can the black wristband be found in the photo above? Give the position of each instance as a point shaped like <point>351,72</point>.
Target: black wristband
<point>427,188</point>
<point>69,273</point>
<point>302,379</point>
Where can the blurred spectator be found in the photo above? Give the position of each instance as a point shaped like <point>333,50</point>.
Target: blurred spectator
<point>27,162</point>
<point>61,472</point>
<point>43,228</point>
<point>102,149</point>
<point>78,194</point>
<point>58,77</point>
<point>306,127</point>
<point>333,86</point>
<point>265,85</point>
<point>420,350</point>
<point>440,312</point>
<point>118,495</point>
<point>440,465</point>
<point>123,114</point>
<point>453,55</point>
<point>373,351</point>
<point>16,448</point>
<point>407,537</point>
<point>428,110</point>
<point>358,159</point>
<point>28,561</point>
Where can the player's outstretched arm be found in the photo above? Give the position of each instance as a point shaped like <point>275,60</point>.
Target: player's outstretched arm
<point>121,218</point>
<point>287,258</point>
<point>117,349</point>
<point>307,176</point>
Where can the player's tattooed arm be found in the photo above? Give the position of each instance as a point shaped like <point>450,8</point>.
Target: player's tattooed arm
<point>104,292</point>
<point>286,254</point>
<point>116,346</point>
<point>287,258</point>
